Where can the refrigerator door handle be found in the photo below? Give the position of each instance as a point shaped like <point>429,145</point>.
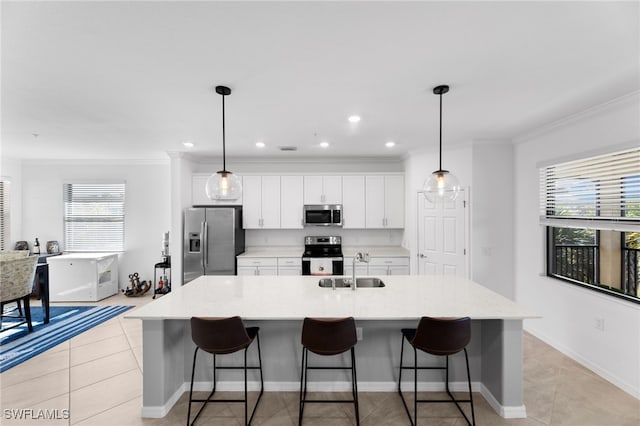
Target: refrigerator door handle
<point>205,242</point>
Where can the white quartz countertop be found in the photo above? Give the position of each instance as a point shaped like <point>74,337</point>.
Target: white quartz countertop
<point>296,297</point>
<point>90,256</point>
<point>376,251</point>
<point>272,251</point>
<point>347,251</point>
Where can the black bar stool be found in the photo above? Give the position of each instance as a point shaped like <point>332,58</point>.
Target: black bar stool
<point>328,337</point>
<point>220,336</point>
<point>443,337</point>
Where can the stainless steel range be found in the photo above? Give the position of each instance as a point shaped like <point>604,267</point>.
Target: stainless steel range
<point>322,256</point>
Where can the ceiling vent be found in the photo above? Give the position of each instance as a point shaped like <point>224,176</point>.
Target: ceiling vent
<point>288,148</point>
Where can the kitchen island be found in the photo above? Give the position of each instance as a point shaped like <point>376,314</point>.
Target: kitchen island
<point>277,304</point>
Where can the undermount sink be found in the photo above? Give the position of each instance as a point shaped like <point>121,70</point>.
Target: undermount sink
<point>346,282</point>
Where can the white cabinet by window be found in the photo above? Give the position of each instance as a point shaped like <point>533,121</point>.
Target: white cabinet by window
<point>291,202</point>
<point>261,202</point>
<point>354,202</point>
<point>199,194</point>
<point>289,266</point>
<point>257,266</point>
<point>384,201</point>
<point>323,190</point>
<point>388,266</point>
<point>84,277</point>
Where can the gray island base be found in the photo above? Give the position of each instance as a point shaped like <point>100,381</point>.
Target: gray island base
<point>278,304</point>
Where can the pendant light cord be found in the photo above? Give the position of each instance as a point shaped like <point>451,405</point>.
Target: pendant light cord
<point>224,156</point>
<point>440,131</point>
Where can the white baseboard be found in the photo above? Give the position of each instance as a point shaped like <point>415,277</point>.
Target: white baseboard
<point>505,411</point>
<point>612,378</point>
<point>343,386</point>
<point>156,412</point>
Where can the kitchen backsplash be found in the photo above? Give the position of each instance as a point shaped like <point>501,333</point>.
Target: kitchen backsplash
<point>350,237</point>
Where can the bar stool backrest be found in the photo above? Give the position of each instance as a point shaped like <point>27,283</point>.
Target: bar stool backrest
<point>442,336</point>
<point>219,335</point>
<point>329,336</point>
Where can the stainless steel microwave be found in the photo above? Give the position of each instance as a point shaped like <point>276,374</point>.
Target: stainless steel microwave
<point>323,215</point>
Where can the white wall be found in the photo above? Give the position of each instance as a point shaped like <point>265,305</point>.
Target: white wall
<point>569,311</point>
<point>491,206</point>
<point>147,206</point>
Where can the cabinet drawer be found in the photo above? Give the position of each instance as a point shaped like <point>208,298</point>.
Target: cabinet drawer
<point>257,261</point>
<point>389,261</point>
<point>289,262</point>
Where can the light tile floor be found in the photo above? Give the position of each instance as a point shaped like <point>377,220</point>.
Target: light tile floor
<point>97,378</point>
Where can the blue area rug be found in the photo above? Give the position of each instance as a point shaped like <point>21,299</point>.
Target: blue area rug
<point>17,345</point>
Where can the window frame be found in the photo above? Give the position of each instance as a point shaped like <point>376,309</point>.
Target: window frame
<point>87,196</point>
<point>611,222</point>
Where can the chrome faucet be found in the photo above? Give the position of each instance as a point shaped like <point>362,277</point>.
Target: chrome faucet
<point>360,258</point>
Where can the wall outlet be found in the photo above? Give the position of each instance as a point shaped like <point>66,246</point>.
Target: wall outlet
<point>359,332</point>
<point>599,324</point>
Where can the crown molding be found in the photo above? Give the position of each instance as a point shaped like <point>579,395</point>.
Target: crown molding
<point>296,160</point>
<point>96,162</point>
<point>613,104</point>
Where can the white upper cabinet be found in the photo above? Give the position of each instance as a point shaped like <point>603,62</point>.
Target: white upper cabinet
<point>291,202</point>
<point>375,202</point>
<point>394,201</point>
<point>323,190</point>
<point>354,203</point>
<point>251,202</point>
<point>271,202</point>
<point>199,194</point>
<point>384,201</point>
<point>276,202</point>
<point>261,202</point>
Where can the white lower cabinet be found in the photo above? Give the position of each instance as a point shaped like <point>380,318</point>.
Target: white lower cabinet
<point>388,266</point>
<point>257,266</point>
<point>289,266</point>
<point>269,266</point>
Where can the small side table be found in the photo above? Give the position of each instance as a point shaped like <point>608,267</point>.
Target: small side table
<point>41,283</point>
<point>165,266</point>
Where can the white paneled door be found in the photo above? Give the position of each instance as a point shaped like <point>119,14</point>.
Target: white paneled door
<point>441,236</point>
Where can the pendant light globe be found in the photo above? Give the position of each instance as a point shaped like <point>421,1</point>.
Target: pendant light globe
<point>442,184</point>
<point>223,185</point>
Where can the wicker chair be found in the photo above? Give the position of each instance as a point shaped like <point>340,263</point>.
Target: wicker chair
<point>17,270</point>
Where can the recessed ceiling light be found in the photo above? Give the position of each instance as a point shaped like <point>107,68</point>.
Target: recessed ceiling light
<point>354,119</point>
<point>390,144</point>
<point>260,144</point>
<point>188,144</point>
<point>324,144</point>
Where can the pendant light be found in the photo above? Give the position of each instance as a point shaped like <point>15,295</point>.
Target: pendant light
<point>224,185</point>
<point>441,184</point>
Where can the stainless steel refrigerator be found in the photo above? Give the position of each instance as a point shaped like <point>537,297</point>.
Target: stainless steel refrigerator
<point>213,237</point>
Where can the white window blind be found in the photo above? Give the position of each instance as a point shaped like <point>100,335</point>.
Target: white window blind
<point>4,215</point>
<point>601,192</point>
<point>94,217</point>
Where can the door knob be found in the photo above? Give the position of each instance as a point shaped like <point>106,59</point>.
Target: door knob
<point>423,256</point>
